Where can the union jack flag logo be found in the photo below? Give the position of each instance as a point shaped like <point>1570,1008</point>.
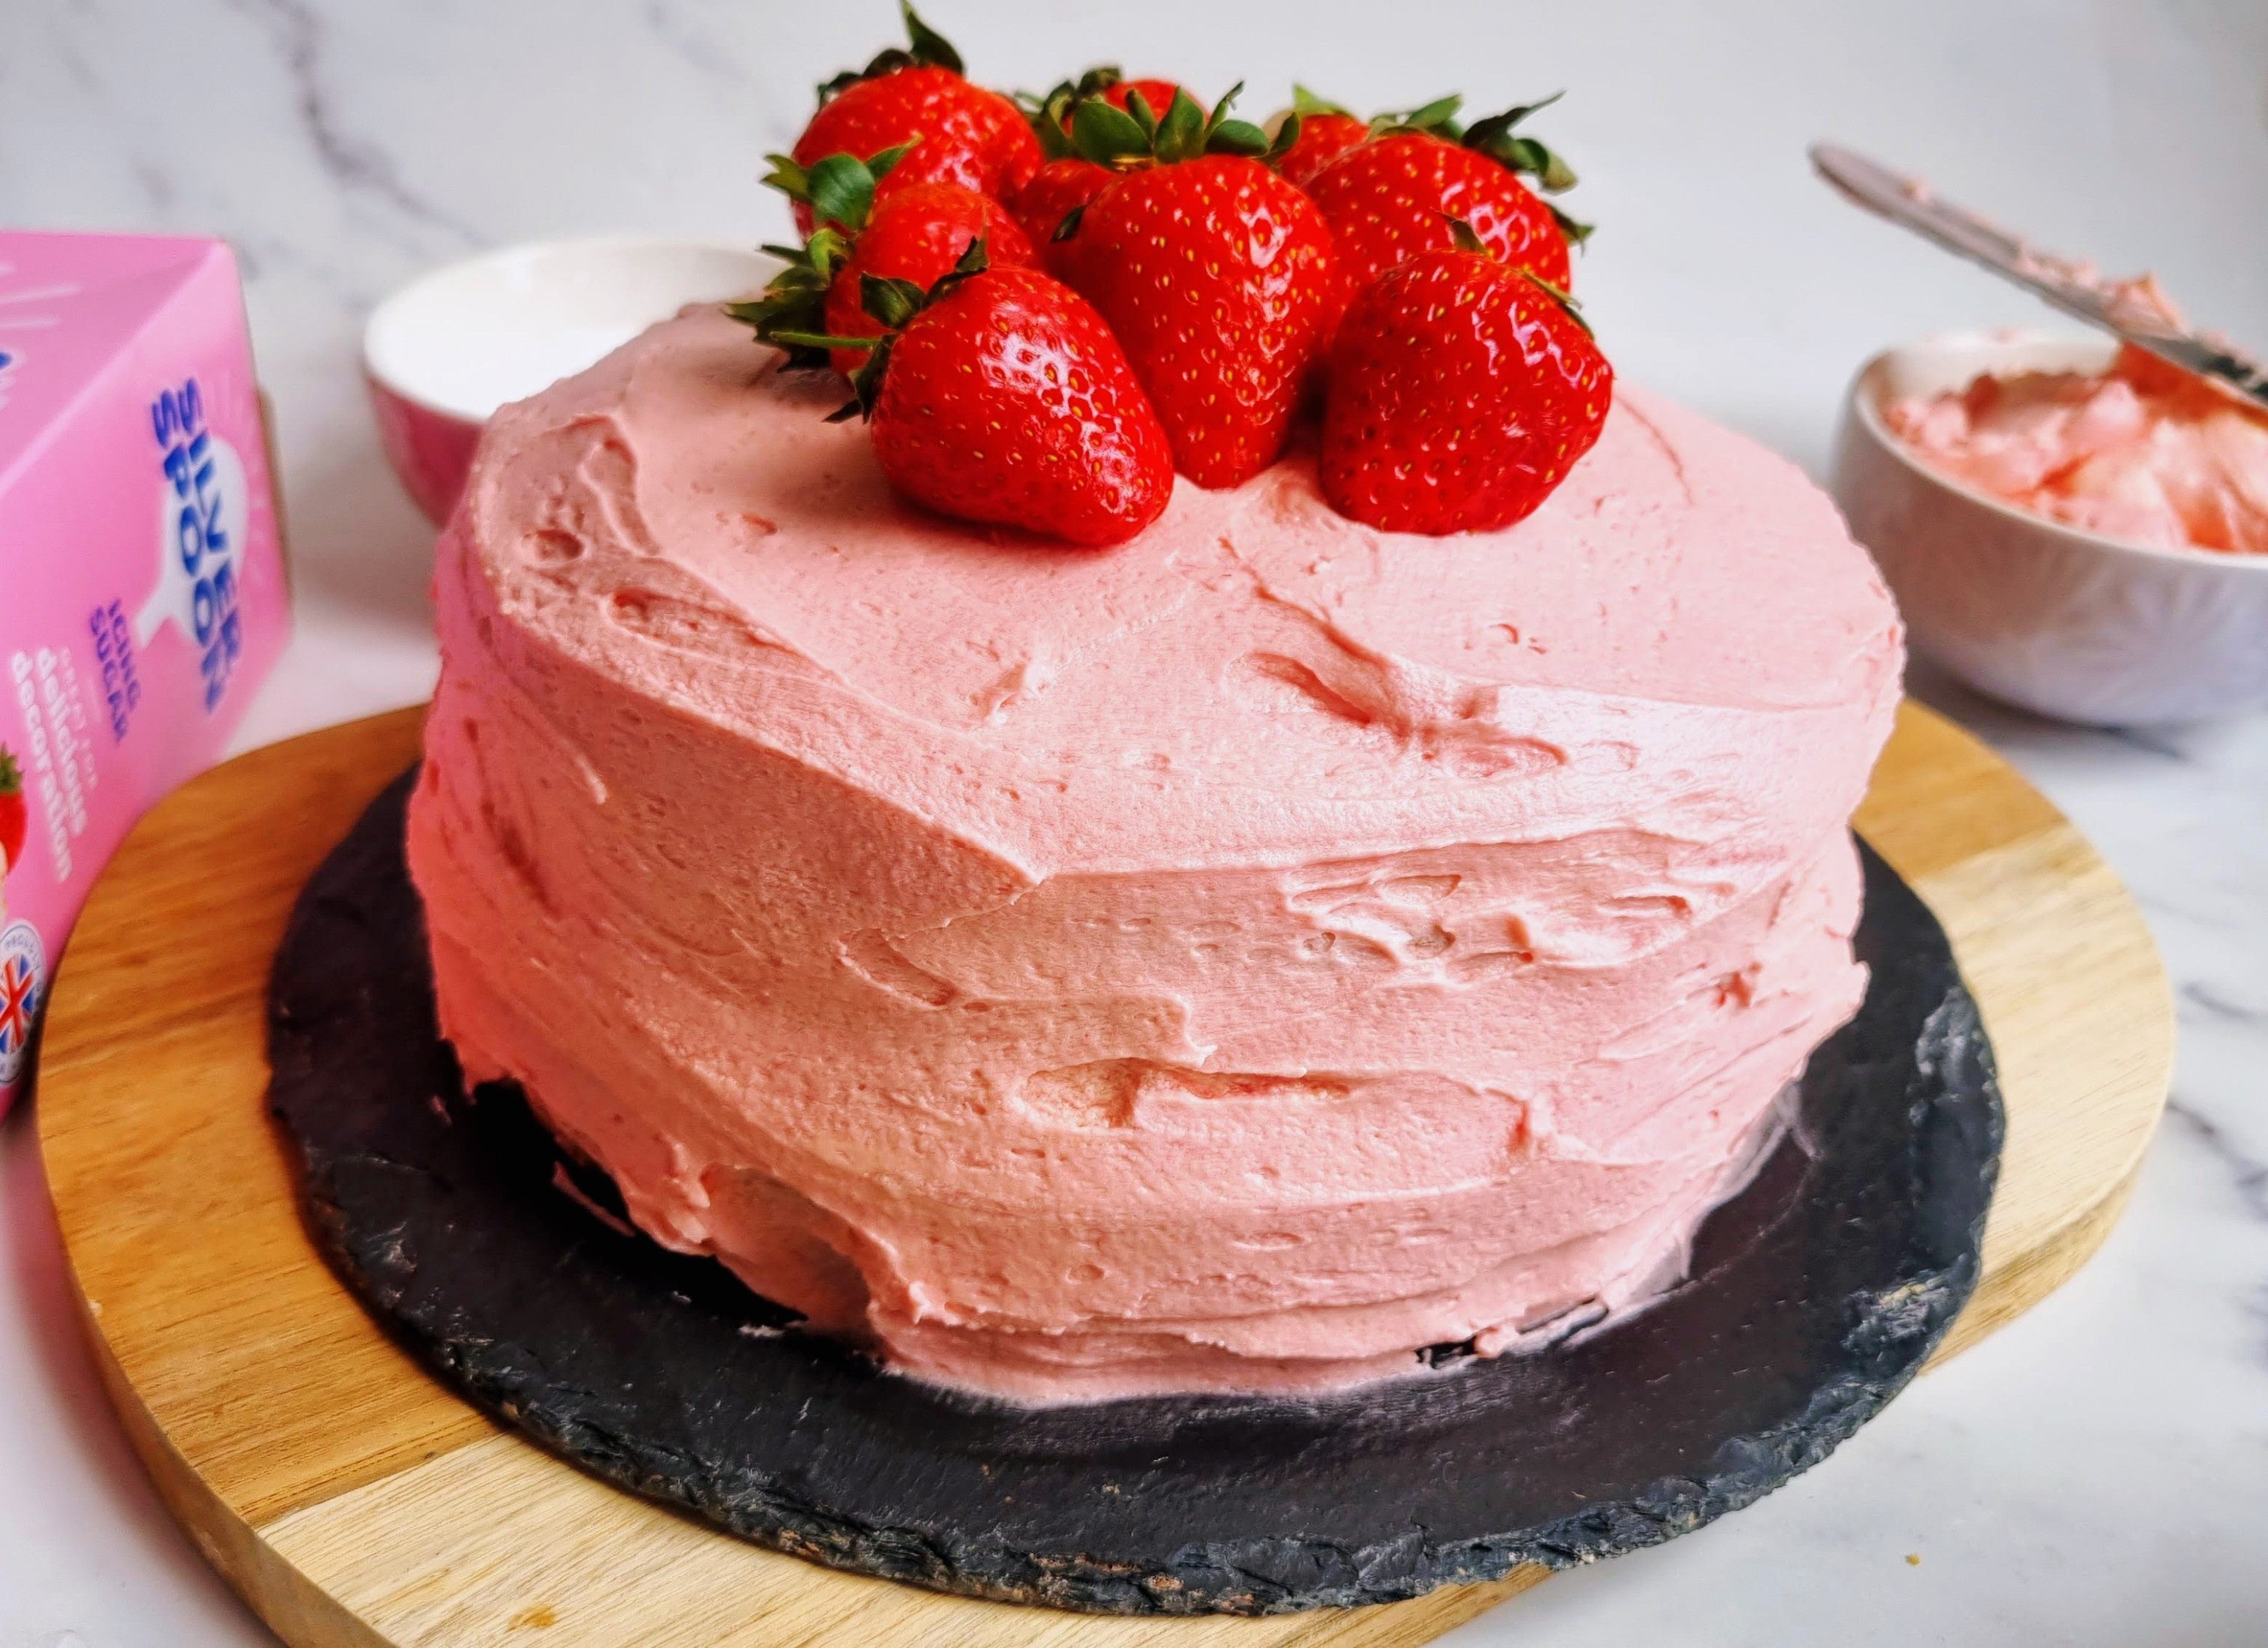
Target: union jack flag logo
<point>20,994</point>
<point>23,969</point>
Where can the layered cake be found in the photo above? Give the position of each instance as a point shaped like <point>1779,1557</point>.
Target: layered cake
<point>1374,906</point>
<point>1238,959</point>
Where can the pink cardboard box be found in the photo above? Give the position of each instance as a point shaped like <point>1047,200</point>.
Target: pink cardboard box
<point>142,587</point>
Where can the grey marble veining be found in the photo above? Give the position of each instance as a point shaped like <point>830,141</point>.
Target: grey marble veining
<point>2097,1474</point>
<point>2250,1172</point>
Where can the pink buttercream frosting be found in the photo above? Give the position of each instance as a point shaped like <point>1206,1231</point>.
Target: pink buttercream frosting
<point>1235,960</point>
<point>2143,451</point>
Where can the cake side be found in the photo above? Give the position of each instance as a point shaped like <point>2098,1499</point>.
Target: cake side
<point>1235,960</point>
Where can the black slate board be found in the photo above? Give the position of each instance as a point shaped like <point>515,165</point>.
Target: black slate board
<point>1816,1295</point>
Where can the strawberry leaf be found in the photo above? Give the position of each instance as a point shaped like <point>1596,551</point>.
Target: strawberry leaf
<point>1553,174</point>
<point>838,188</point>
<point>1069,226</point>
<point>820,340</point>
<point>1577,232</point>
<point>1048,116</point>
<point>1108,135</point>
<point>1496,138</point>
<point>829,89</point>
<point>1060,96</point>
<point>1288,133</point>
<point>1462,234</point>
<point>1526,156</point>
<point>930,49</point>
<point>1512,116</point>
<point>1306,102</point>
<point>794,301</point>
<point>788,177</point>
<point>1438,118</point>
<point>841,191</point>
<point>926,48</point>
<point>1181,134</point>
<point>1124,139</point>
<point>866,382</point>
<point>827,251</point>
<point>891,301</point>
<point>1236,137</point>
<point>1224,136</point>
<point>975,258</point>
<point>1144,116</point>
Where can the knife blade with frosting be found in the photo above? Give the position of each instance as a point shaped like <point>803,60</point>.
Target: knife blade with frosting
<point>2072,286</point>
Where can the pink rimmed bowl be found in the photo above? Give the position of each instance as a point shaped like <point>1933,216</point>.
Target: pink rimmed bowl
<point>442,354</point>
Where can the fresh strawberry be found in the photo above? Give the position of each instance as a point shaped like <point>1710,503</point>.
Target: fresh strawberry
<point>1067,182</point>
<point>1462,390</point>
<point>1057,190</point>
<point>1215,272</point>
<point>917,234</point>
<point>1392,198</point>
<point>13,817</point>
<point>1000,395</point>
<point>1326,131</point>
<point>1322,139</point>
<point>917,99</point>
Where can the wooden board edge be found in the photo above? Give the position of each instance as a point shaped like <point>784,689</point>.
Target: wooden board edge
<point>396,1551</point>
<point>2140,1085</point>
<point>1417,1622</point>
<point>2025,1279</point>
<point>290,1604</point>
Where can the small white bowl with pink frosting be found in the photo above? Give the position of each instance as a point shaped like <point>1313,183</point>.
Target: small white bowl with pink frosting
<point>2038,530</point>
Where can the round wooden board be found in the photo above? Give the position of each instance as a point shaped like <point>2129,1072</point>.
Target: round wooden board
<point>354,1500</point>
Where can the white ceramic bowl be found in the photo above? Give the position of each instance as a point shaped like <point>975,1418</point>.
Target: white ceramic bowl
<point>2064,623</point>
<point>442,354</point>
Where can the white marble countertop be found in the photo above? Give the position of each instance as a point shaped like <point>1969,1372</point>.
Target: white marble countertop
<point>2098,1473</point>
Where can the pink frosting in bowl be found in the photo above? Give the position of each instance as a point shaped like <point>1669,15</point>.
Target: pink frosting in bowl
<point>2062,620</point>
<point>2141,453</point>
<point>1232,961</point>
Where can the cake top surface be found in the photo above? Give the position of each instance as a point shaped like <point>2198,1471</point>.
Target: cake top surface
<point>682,518</point>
